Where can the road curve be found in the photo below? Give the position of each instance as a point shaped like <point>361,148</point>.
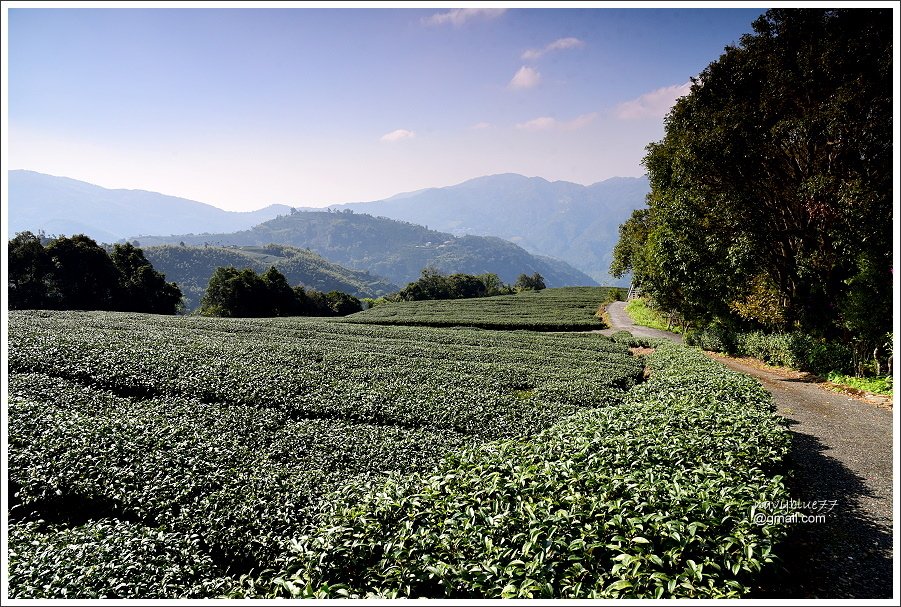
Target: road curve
<point>841,454</point>
<point>620,321</point>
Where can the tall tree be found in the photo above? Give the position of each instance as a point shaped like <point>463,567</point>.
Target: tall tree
<point>84,277</point>
<point>282,299</point>
<point>525,282</point>
<point>236,293</point>
<point>141,287</point>
<point>30,270</point>
<point>774,175</point>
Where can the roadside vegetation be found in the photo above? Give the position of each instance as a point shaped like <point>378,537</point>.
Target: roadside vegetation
<point>644,315</point>
<point>768,227</point>
<point>876,385</point>
<point>831,360</point>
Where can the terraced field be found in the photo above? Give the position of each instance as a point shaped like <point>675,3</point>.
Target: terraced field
<point>160,457</point>
<point>561,309</point>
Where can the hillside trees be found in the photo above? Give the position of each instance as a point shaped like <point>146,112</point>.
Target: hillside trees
<point>84,277</point>
<point>246,294</point>
<point>30,268</point>
<point>75,273</point>
<point>525,282</point>
<point>433,284</point>
<point>770,197</point>
<point>142,288</point>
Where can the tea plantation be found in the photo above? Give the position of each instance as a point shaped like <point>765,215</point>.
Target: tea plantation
<point>561,309</point>
<point>168,457</point>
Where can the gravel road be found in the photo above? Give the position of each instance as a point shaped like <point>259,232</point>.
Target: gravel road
<point>841,455</point>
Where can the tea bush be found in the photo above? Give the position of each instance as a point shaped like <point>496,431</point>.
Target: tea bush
<point>659,497</point>
<point>108,560</point>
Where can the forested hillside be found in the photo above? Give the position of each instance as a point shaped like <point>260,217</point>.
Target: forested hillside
<point>565,220</point>
<point>394,249</point>
<point>191,268</point>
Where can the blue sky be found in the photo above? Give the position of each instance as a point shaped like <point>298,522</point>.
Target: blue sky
<point>241,108</point>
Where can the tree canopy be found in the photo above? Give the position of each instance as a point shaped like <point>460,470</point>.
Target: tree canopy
<point>526,282</point>
<point>246,294</point>
<point>433,284</point>
<point>75,273</point>
<point>770,197</point>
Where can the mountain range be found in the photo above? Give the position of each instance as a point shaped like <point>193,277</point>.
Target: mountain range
<point>566,221</point>
<point>576,223</point>
<point>59,205</point>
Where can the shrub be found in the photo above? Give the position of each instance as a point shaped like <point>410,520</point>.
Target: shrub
<point>797,350</point>
<point>622,337</point>
<point>108,559</point>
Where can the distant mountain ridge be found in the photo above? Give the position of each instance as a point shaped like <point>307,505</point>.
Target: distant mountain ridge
<point>59,205</point>
<point>394,249</point>
<point>572,222</point>
<point>567,221</point>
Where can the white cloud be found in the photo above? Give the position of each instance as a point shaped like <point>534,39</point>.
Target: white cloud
<point>459,16</point>
<point>525,78</point>
<point>398,135</point>
<point>481,125</point>
<point>580,121</point>
<point>654,104</point>
<point>557,45</point>
<point>547,123</point>
<point>544,123</point>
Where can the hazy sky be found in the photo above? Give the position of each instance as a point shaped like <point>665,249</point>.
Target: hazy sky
<point>241,108</point>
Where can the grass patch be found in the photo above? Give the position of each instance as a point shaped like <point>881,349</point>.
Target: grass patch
<point>642,315</point>
<point>876,385</point>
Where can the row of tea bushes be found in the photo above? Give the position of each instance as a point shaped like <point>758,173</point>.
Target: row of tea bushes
<point>560,309</point>
<point>675,493</point>
<point>218,438</point>
<point>466,381</point>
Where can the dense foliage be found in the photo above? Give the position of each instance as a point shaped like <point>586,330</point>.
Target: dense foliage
<point>796,349</point>
<point>668,495</point>
<point>212,440</point>
<point>165,457</point>
<point>192,266</point>
<point>771,192</point>
<point>108,559</point>
<point>559,309</point>
<point>433,284</point>
<point>533,282</point>
<point>78,274</point>
<point>246,294</point>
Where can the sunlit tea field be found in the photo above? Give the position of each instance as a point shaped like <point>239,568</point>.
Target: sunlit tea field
<point>156,456</point>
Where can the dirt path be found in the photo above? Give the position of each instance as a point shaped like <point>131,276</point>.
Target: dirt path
<point>620,321</point>
<point>841,453</point>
